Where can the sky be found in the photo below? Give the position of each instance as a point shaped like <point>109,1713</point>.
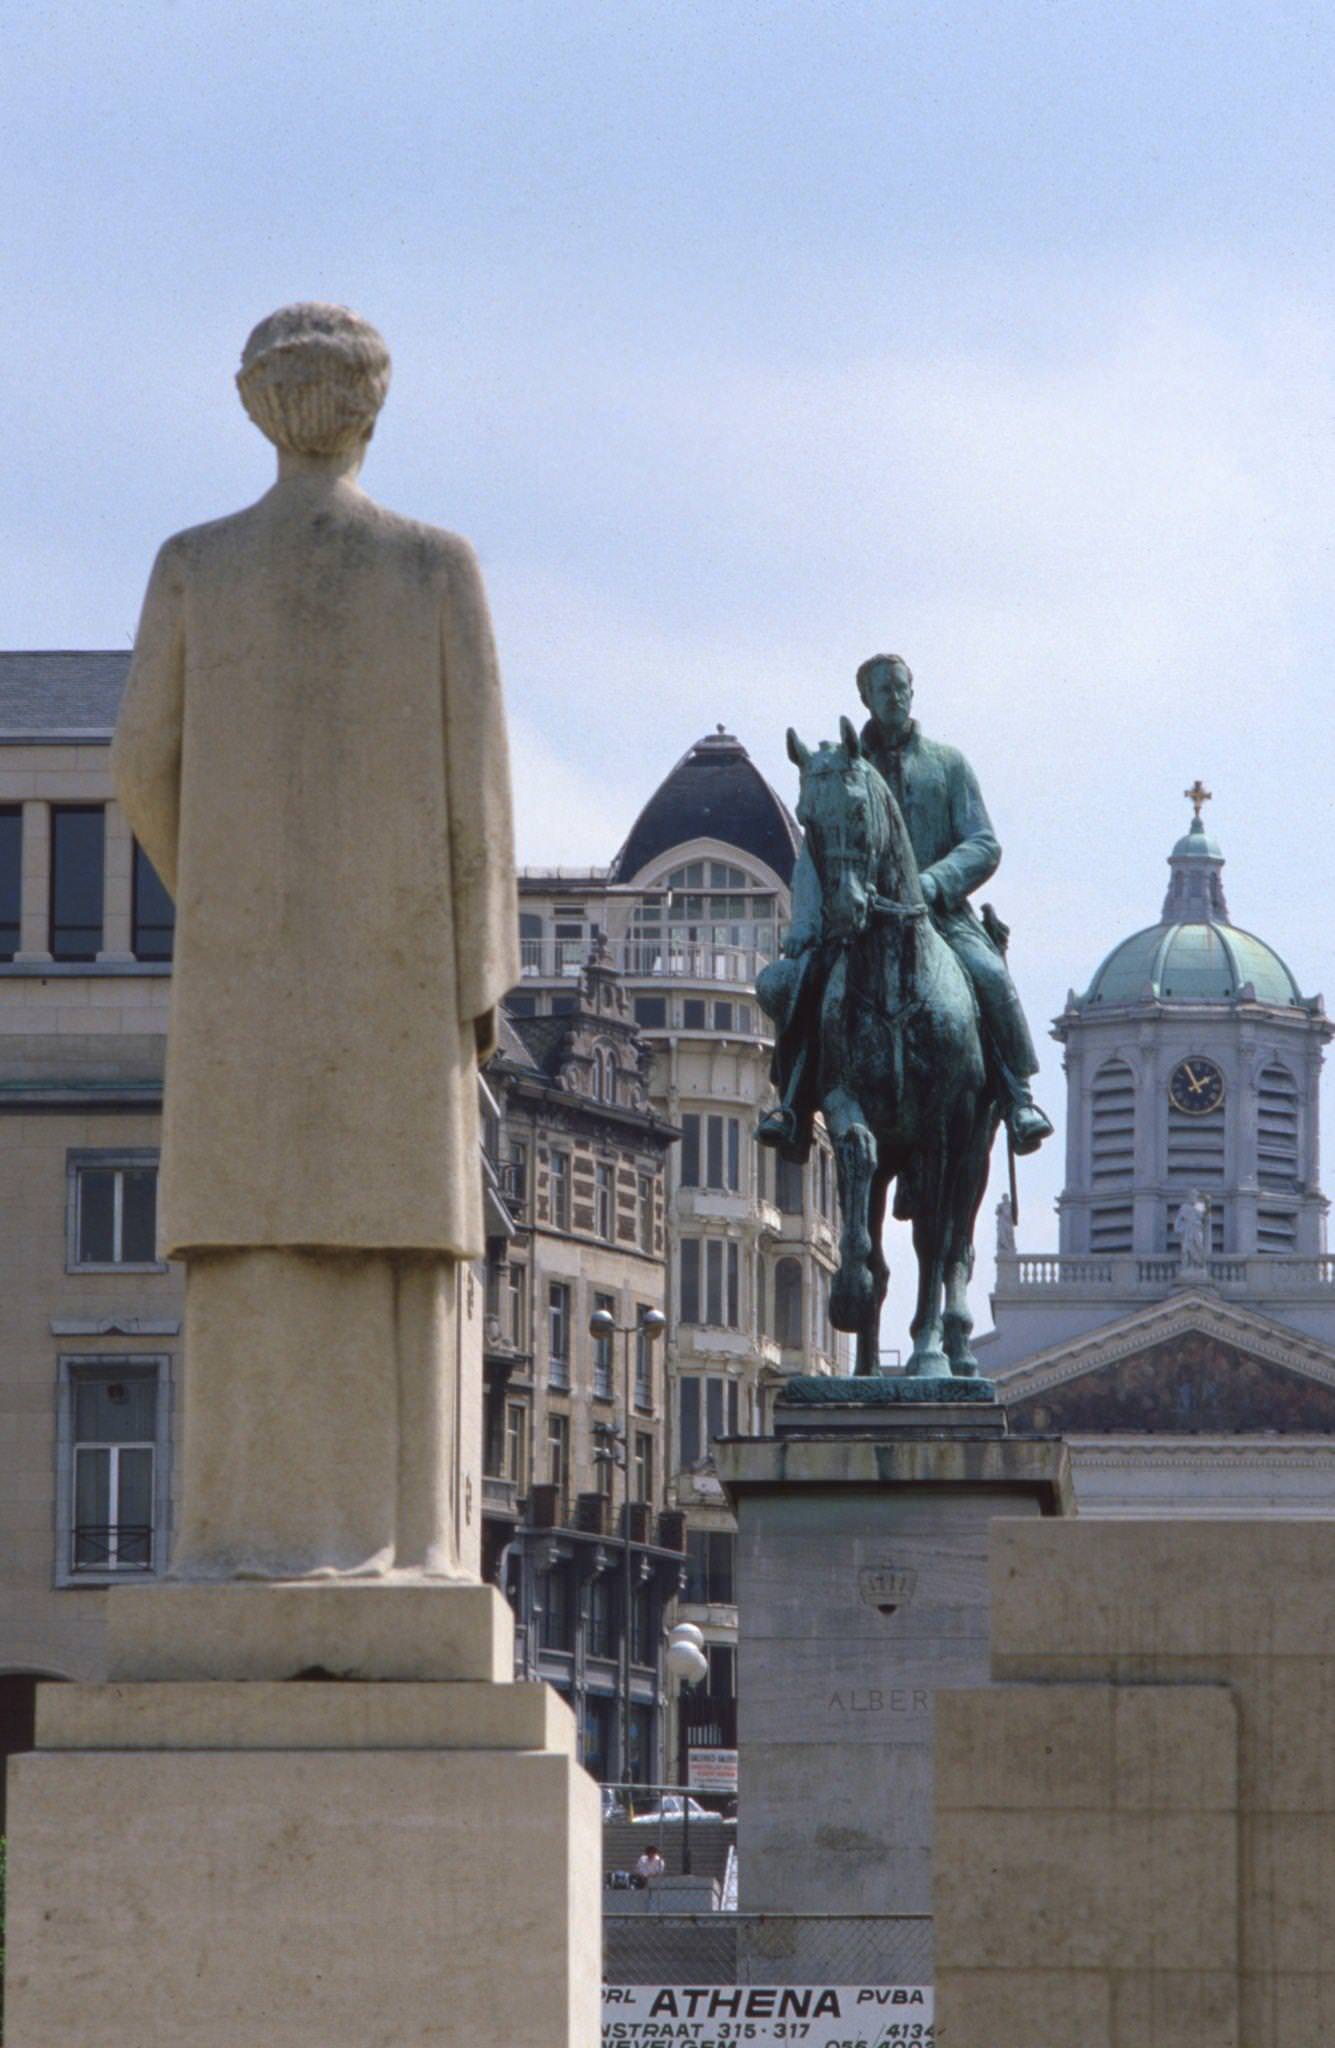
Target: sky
<point>744,340</point>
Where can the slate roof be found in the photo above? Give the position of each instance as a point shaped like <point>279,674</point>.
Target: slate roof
<point>714,792</point>
<point>58,693</point>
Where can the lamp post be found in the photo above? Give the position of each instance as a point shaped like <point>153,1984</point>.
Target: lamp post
<point>603,1324</point>
<point>687,1661</point>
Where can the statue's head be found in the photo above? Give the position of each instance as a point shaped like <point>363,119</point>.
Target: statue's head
<point>885,685</point>
<point>313,379</point>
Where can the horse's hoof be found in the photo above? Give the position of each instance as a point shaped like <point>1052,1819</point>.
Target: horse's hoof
<point>851,1301</point>
<point>930,1363</point>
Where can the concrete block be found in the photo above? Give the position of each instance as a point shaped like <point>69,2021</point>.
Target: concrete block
<point>1176,2009</point>
<point>321,1899</point>
<point>1118,1599</point>
<point>1024,2009</point>
<point>219,1715</point>
<point>372,1630</point>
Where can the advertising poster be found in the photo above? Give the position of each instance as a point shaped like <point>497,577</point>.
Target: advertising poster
<point>721,2015</point>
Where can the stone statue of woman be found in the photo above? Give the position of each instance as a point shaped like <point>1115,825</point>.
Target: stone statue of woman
<point>312,753</point>
<point>1190,1226</point>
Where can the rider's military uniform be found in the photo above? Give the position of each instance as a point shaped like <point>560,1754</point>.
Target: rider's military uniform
<point>956,849</point>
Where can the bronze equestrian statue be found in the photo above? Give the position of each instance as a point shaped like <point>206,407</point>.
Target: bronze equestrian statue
<point>896,1014</point>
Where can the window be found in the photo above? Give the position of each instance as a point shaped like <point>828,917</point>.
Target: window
<point>711,1148</point>
<point>598,1726</point>
<point>824,1183</point>
<point>1277,1128</point>
<point>112,1496</point>
<point>690,1280</point>
<point>602,1202</point>
<point>644,1466</point>
<point>600,1640</point>
<point>709,1566</point>
<point>560,1191</point>
<point>113,1210</point>
<point>642,1644</point>
<point>558,1333</point>
<point>644,1363</point>
<point>604,1078</point>
<point>650,1012</point>
<point>1111,1225</point>
<point>153,912</point>
<point>820,1309</point>
<point>788,1302</point>
<point>602,1351</point>
<point>693,1014</point>
<point>788,1186</point>
<point>558,1609</point>
<point>722,1681</point>
<point>520,1003</point>
<point>558,1451</point>
<point>644,1201</point>
<point>710,1282</point>
<point>530,942</point>
<point>643,1760</point>
<point>723,1016</point>
<point>710,1400</point>
<point>760,1285</point>
<point>514,1305</point>
<point>11,878</point>
<point>77,835</point>
<point>564,1006</point>
<point>516,1445</point>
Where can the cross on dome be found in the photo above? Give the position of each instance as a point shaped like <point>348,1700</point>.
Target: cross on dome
<point>1197,795</point>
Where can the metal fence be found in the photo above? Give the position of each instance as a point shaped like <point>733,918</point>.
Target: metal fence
<point>766,1948</point>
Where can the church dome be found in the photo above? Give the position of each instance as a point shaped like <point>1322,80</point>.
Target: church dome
<point>714,792</point>
<point>1193,954</point>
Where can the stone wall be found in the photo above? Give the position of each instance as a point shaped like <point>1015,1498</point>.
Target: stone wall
<point>1136,1835</point>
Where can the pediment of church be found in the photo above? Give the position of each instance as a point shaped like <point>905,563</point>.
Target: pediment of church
<point>1190,1366</point>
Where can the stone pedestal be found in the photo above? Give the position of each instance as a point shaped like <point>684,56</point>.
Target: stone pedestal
<point>862,1592</point>
<point>221,1849</point>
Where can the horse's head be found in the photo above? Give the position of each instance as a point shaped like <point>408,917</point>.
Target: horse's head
<point>842,809</point>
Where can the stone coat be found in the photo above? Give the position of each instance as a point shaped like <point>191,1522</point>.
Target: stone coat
<point>312,752</point>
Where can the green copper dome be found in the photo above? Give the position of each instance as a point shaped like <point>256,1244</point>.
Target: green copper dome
<point>1193,954</point>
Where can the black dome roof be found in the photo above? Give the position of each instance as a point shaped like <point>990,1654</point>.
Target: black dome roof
<point>714,792</point>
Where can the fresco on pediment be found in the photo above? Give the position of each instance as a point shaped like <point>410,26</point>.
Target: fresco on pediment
<point>1191,1384</point>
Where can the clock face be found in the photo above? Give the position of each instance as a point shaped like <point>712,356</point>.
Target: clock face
<point>1197,1086</point>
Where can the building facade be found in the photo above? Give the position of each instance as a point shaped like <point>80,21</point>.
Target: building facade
<point>575,1525</point>
<point>1182,1335</point>
<point>687,912</point>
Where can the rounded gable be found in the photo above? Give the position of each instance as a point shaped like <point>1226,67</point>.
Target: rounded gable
<point>714,792</point>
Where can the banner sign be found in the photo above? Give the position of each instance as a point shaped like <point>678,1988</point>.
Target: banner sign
<point>722,2015</point>
<point>712,1770</point>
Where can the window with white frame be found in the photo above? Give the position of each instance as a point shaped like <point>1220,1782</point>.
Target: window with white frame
<point>558,1334</point>
<point>644,1363</point>
<point>602,1201</point>
<point>707,1407</point>
<point>113,1467</point>
<point>112,1210</point>
<point>560,1191</point>
<point>602,1349</point>
<point>710,1282</point>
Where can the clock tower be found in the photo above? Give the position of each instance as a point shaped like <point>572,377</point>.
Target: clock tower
<point>1193,1062</point>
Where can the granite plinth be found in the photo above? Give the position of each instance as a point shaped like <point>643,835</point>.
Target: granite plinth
<point>883,1390</point>
<point>812,1404</point>
<point>862,1591</point>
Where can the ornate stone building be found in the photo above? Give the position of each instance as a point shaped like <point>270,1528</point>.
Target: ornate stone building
<point>575,1455</point>
<point>687,911</point>
<point>1183,1333</point>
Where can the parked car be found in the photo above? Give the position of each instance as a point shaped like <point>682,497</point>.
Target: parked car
<point>673,1806</point>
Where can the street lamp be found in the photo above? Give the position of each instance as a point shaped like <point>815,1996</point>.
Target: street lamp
<point>687,1662</point>
<point>602,1323</point>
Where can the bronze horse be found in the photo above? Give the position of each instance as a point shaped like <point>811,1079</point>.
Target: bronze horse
<point>901,1075</point>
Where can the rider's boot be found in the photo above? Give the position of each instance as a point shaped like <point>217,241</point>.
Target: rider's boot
<point>1026,1122</point>
<point>778,1126</point>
